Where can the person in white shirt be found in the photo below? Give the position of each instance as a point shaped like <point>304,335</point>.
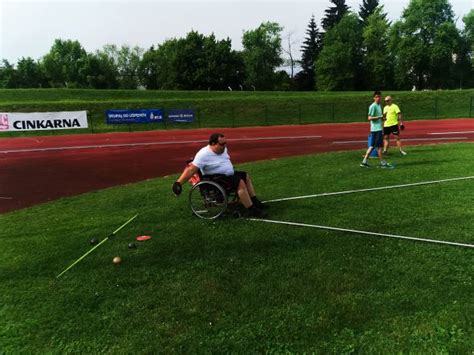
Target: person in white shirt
<point>214,161</point>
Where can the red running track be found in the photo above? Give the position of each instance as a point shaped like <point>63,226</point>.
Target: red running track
<point>38,169</point>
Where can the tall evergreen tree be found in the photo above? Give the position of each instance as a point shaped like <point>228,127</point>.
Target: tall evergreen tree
<point>367,8</point>
<point>334,14</point>
<point>305,79</point>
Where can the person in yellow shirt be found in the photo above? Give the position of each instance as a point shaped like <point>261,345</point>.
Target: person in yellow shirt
<point>393,118</point>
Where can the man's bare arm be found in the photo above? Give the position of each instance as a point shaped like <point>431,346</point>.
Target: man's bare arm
<point>189,171</point>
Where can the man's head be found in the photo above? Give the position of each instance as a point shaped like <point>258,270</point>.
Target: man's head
<point>377,96</point>
<point>388,100</point>
<point>217,142</point>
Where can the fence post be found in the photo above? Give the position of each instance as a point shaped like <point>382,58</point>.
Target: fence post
<point>92,122</point>
<point>233,117</point>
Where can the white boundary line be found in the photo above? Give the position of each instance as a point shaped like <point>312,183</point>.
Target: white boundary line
<point>369,189</point>
<point>364,232</point>
<point>407,139</point>
<point>150,143</point>
<point>6,198</point>
<point>465,132</point>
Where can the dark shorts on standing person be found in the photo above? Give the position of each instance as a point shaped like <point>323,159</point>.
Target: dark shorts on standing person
<point>391,130</point>
<point>228,182</point>
<point>376,139</point>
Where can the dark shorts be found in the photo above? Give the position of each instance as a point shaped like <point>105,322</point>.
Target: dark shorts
<point>391,130</point>
<point>376,139</point>
<point>228,182</point>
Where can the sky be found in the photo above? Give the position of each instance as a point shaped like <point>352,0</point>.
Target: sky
<point>29,28</point>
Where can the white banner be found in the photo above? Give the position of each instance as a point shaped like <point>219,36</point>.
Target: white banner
<point>40,121</point>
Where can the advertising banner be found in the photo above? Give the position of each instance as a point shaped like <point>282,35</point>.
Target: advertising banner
<point>134,116</point>
<point>181,115</point>
<point>41,121</point>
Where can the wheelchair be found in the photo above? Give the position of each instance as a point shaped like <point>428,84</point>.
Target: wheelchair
<point>211,197</point>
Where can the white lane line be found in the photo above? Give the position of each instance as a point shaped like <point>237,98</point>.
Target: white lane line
<point>426,240</point>
<point>370,189</point>
<point>6,198</point>
<point>406,139</point>
<point>150,143</point>
<point>464,132</point>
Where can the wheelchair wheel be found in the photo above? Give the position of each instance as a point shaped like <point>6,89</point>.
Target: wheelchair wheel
<point>207,200</point>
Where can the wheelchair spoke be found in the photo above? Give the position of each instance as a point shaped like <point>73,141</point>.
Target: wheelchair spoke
<point>207,200</point>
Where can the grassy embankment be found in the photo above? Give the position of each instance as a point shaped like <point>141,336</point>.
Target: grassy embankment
<point>233,109</point>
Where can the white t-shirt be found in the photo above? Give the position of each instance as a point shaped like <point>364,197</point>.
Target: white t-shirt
<point>211,163</point>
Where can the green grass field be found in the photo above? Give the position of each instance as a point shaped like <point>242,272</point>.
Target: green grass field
<point>243,286</point>
<point>232,109</point>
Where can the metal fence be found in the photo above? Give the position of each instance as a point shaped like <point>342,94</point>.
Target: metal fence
<point>229,113</point>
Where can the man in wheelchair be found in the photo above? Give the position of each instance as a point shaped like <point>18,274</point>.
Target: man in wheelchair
<point>214,163</point>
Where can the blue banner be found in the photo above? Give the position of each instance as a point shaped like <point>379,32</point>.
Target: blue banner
<point>134,116</point>
<point>181,115</point>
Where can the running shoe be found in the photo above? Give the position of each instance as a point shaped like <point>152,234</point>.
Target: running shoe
<point>256,213</point>
<point>387,166</point>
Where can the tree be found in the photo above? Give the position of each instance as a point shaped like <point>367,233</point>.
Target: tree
<point>165,60</point>
<point>128,64</point>
<point>424,44</point>
<point>469,28</point>
<point>464,70</point>
<point>224,66</point>
<point>64,64</point>
<point>366,9</point>
<point>468,36</point>
<point>148,70</point>
<point>8,75</point>
<point>334,14</point>
<point>290,62</point>
<point>126,61</point>
<point>195,62</point>
<point>262,55</point>
<point>377,63</point>
<point>101,72</point>
<point>445,50</point>
<point>338,64</point>
<point>205,63</point>
<point>305,79</point>
<point>29,74</point>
